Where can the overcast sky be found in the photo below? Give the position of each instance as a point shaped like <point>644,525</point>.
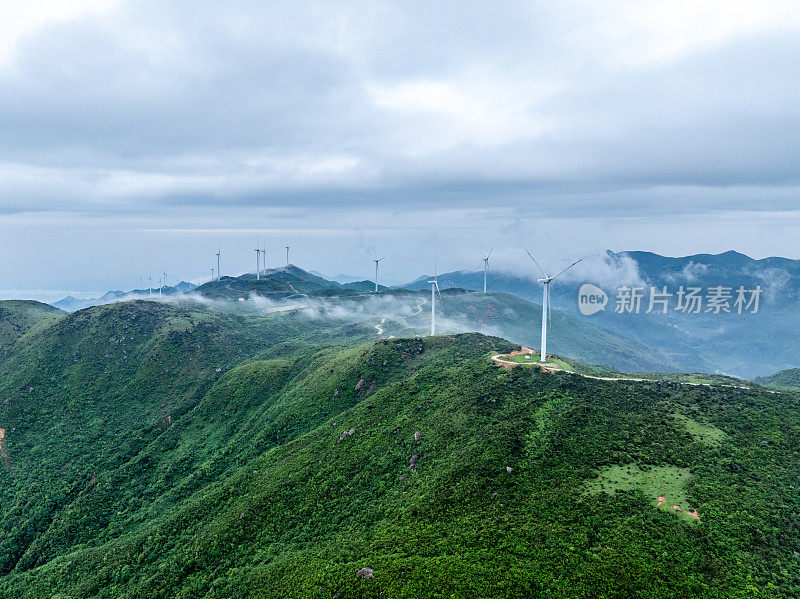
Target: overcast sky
<point>135,136</point>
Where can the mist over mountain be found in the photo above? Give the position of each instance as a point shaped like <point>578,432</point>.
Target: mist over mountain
<point>741,344</point>
<point>398,313</point>
<point>747,344</point>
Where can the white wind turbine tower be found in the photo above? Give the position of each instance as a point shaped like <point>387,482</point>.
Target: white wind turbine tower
<point>218,254</point>
<point>377,260</point>
<point>486,267</point>
<point>258,260</point>
<point>434,290</point>
<point>287,255</point>
<point>546,301</point>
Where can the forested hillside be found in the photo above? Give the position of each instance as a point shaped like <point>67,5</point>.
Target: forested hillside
<point>154,450</point>
<point>785,379</point>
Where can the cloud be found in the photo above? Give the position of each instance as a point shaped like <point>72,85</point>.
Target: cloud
<point>774,282</point>
<point>606,269</point>
<point>145,102</point>
<point>693,271</point>
<point>415,116</point>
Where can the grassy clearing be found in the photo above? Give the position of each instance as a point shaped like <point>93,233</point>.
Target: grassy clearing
<point>664,486</point>
<point>705,433</point>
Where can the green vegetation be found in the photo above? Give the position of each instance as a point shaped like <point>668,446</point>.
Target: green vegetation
<point>404,313</point>
<point>787,380</point>
<point>279,283</point>
<point>156,450</point>
<point>601,371</point>
<point>700,431</point>
<point>18,317</point>
<point>664,485</point>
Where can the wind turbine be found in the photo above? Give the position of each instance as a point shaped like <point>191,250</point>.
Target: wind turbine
<point>165,279</point>
<point>258,261</point>
<point>287,254</point>
<point>434,290</point>
<point>546,301</point>
<point>150,285</point>
<point>218,254</point>
<point>212,273</point>
<point>486,267</point>
<point>377,260</point>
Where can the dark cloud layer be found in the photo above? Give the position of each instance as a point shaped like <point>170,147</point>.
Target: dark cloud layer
<point>150,112</point>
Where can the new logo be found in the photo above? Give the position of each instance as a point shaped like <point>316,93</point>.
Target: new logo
<point>591,299</point>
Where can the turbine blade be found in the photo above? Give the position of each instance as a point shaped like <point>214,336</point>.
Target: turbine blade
<point>566,269</point>
<point>544,274</point>
<point>490,253</point>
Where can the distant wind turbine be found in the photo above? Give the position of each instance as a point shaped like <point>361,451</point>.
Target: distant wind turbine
<point>150,285</point>
<point>287,254</point>
<point>546,301</point>
<point>434,290</point>
<point>377,261</point>
<point>218,254</point>
<point>258,261</point>
<point>486,267</point>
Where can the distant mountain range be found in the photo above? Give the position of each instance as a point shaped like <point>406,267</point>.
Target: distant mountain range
<point>71,304</point>
<point>744,345</point>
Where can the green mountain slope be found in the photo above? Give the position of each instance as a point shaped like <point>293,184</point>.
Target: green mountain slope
<point>785,379</point>
<point>18,317</point>
<point>405,313</point>
<point>277,283</point>
<point>131,467</point>
<point>87,393</point>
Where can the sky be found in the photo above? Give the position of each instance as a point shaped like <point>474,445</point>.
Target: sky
<point>137,136</point>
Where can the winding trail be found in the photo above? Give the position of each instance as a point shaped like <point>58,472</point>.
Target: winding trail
<point>553,368</point>
<point>378,326</point>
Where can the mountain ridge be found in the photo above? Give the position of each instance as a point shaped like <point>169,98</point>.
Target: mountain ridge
<point>163,450</point>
